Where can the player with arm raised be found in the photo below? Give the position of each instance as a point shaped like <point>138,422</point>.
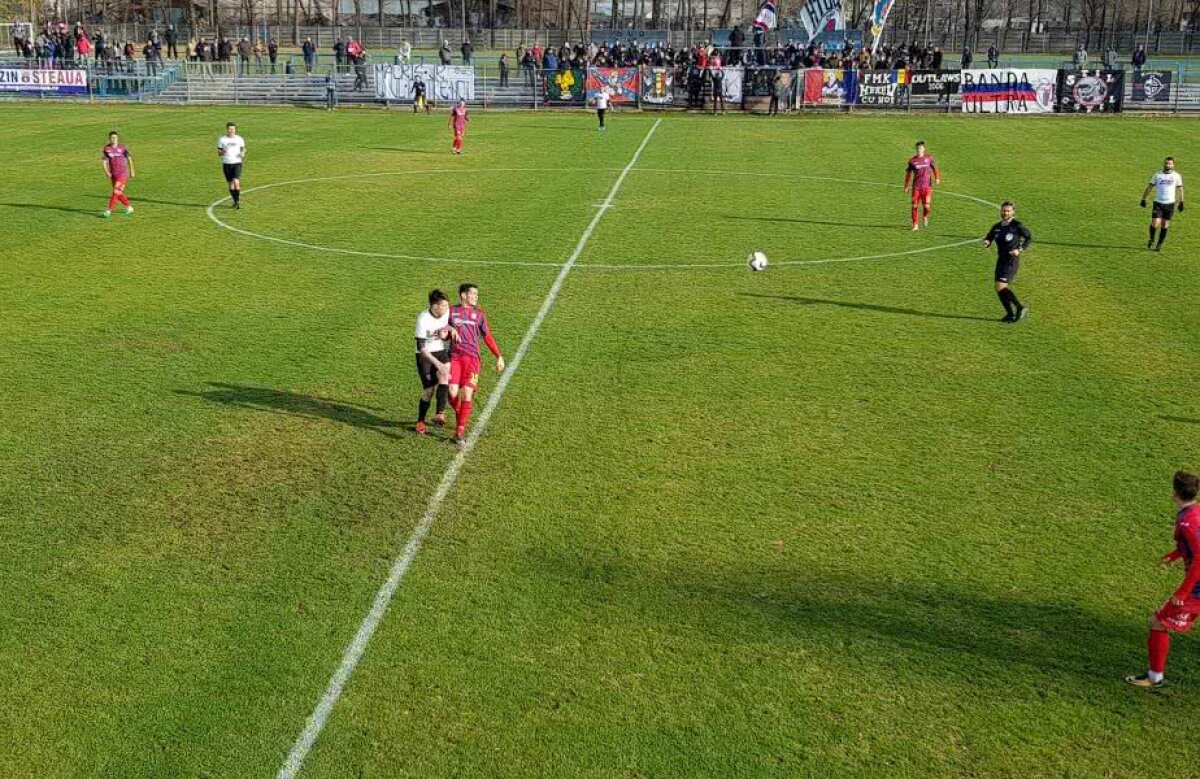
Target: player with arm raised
<point>1179,612</point>
<point>1011,238</point>
<point>433,357</point>
<point>1167,186</point>
<point>231,148</point>
<point>920,176</point>
<point>470,325</point>
<point>118,167</point>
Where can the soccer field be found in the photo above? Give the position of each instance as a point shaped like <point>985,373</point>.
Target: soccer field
<point>829,519</point>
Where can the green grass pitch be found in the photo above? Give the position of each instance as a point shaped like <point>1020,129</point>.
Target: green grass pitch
<point>829,519</point>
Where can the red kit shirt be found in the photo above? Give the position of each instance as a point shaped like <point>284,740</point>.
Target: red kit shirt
<point>118,160</point>
<point>921,169</point>
<point>460,119</point>
<point>472,327</point>
<point>1187,546</point>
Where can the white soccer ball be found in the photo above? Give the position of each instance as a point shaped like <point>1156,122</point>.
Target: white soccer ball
<point>757,260</point>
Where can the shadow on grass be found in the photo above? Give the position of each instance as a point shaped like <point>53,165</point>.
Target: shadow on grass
<point>867,307</point>
<point>900,226</point>
<point>904,628</point>
<point>397,149</point>
<point>63,209</point>
<point>297,405</point>
<point>136,200</point>
<point>1184,420</point>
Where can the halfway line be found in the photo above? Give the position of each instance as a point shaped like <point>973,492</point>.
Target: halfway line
<point>354,651</point>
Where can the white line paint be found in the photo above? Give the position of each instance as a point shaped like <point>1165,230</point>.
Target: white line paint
<point>354,651</point>
<point>602,206</point>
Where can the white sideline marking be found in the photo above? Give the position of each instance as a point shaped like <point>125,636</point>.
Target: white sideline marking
<point>354,651</point>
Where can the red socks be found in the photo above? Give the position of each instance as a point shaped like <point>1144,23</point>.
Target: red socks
<point>117,197</point>
<point>463,414</point>
<point>1157,646</point>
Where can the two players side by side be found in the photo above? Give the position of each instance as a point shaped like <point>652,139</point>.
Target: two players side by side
<point>448,356</point>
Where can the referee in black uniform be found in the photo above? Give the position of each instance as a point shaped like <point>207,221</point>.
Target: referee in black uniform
<point>1011,238</point>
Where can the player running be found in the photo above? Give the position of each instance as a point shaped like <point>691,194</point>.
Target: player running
<point>433,357</point>
<point>1168,193</point>
<point>469,323</point>
<point>922,173</point>
<point>118,167</point>
<point>1011,238</point>
<point>458,123</point>
<point>1179,612</point>
<point>231,148</point>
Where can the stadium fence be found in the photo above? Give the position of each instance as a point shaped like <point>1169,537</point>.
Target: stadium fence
<point>1040,87</point>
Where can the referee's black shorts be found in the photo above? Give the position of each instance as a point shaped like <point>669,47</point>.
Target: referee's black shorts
<point>1162,210</point>
<point>1006,269</point>
<point>233,171</point>
<point>428,373</point>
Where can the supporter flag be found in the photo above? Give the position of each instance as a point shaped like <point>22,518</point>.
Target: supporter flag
<point>879,15</point>
<point>821,16</point>
<point>766,15</point>
<point>814,85</point>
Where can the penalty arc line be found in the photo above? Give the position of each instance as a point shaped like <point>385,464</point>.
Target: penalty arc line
<point>366,630</point>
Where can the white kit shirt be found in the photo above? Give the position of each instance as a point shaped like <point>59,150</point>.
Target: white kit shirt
<point>1165,185</point>
<point>428,327</point>
<point>602,100</point>
<point>232,149</point>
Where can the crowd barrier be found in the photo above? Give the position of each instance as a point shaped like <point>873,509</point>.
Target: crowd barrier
<point>1006,90</point>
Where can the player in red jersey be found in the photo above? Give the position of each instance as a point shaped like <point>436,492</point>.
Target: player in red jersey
<point>1180,611</point>
<point>469,324</point>
<point>118,167</point>
<point>458,123</point>
<point>921,174</point>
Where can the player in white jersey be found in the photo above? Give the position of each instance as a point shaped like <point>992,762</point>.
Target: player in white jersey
<point>433,357</point>
<point>231,148</point>
<point>601,103</point>
<point>1167,186</point>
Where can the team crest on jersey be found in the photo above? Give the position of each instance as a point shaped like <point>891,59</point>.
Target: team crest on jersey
<point>1008,236</point>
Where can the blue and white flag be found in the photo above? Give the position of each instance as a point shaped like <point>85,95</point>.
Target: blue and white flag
<point>766,15</point>
<point>879,15</point>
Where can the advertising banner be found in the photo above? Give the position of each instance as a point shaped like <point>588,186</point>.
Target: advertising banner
<point>61,82</point>
<point>1009,91</point>
<point>565,87</point>
<point>934,82</point>
<point>1091,91</point>
<point>880,88</point>
<point>656,85</point>
<point>443,83</point>
<point>1152,86</point>
<point>622,84</point>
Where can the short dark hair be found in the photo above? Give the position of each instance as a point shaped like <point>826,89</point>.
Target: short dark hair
<point>1186,485</point>
<point>1007,204</point>
<point>113,132</point>
<point>466,287</point>
<point>920,143</point>
<point>1172,159</point>
<point>436,296</point>
<point>230,124</point>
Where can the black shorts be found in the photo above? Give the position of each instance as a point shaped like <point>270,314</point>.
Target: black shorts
<point>426,370</point>
<point>232,171</point>
<point>1006,269</point>
<point>1162,210</point>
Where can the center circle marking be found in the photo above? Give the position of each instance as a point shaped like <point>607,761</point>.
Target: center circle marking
<point>211,212</point>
